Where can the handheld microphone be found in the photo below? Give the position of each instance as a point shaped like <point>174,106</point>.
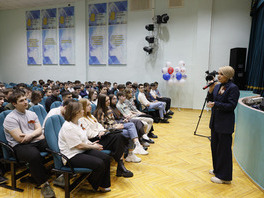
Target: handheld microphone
<point>205,87</point>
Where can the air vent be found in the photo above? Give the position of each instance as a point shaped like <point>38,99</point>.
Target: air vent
<point>175,3</point>
<point>140,5</point>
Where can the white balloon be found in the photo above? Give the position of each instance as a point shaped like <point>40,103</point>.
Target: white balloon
<point>170,82</point>
<point>164,70</point>
<point>168,64</point>
<point>175,81</point>
<point>176,69</point>
<point>181,63</point>
<point>182,81</point>
<point>183,70</point>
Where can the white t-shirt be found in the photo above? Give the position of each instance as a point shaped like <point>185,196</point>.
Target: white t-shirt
<point>71,135</point>
<point>54,111</point>
<point>91,127</point>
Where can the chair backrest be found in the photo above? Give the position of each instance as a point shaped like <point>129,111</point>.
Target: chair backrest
<point>40,111</point>
<point>55,104</point>
<point>138,104</point>
<point>93,108</point>
<point>52,129</point>
<point>43,100</point>
<point>3,115</point>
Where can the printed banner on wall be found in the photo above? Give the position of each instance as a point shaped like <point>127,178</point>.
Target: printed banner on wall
<point>97,34</point>
<point>33,37</point>
<point>117,33</point>
<point>49,36</point>
<point>67,36</point>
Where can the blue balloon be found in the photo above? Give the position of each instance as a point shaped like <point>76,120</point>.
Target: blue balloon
<point>179,76</point>
<point>166,76</point>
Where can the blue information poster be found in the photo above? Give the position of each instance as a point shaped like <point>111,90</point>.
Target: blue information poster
<point>66,36</point>
<point>97,34</point>
<point>33,37</point>
<point>117,33</point>
<point>49,36</point>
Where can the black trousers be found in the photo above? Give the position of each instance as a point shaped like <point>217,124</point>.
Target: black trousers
<point>168,102</point>
<point>31,153</point>
<point>99,162</point>
<point>222,155</point>
<point>115,142</point>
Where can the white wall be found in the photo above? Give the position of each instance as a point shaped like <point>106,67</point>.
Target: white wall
<point>201,33</point>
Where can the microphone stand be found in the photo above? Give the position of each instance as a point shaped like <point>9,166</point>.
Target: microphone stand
<point>200,116</point>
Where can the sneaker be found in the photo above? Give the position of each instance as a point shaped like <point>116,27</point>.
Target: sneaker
<point>132,158</point>
<point>59,181</point>
<point>152,135</point>
<point>219,181</point>
<point>3,179</point>
<point>139,150</point>
<point>164,121</point>
<point>145,144</point>
<point>104,190</point>
<point>211,172</point>
<point>169,112</point>
<point>47,191</point>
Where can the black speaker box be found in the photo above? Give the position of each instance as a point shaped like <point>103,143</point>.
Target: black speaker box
<point>237,61</point>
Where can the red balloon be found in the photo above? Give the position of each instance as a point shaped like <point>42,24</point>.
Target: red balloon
<point>170,70</point>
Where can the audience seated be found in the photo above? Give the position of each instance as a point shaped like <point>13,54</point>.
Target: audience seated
<point>105,116</point>
<point>74,144</point>
<point>115,142</point>
<point>154,105</point>
<point>24,134</point>
<point>36,98</point>
<point>54,97</point>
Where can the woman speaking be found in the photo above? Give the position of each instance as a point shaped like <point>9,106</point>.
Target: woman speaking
<point>222,98</point>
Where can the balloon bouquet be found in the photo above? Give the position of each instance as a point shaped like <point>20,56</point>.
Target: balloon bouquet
<point>175,75</point>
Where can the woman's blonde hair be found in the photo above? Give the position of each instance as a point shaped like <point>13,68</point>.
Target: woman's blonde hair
<point>227,71</point>
<point>84,103</point>
<point>72,109</point>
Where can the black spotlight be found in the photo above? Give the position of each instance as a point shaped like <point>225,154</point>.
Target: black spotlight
<point>150,27</point>
<point>162,18</point>
<point>150,39</point>
<point>148,49</point>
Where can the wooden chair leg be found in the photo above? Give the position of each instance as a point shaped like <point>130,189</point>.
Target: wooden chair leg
<point>67,185</point>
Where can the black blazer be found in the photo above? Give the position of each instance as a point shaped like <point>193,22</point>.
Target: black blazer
<point>223,116</point>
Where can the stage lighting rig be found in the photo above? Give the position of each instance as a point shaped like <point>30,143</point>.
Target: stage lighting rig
<point>150,27</point>
<point>162,18</point>
<point>148,49</point>
<point>150,39</point>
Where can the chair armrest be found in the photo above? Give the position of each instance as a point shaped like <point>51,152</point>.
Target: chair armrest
<point>9,148</point>
<point>63,156</point>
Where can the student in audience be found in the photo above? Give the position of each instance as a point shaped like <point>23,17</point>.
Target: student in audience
<point>82,153</point>
<point>23,132</point>
<point>2,87</point>
<point>114,88</point>
<point>2,171</point>
<point>8,92</point>
<point>45,87</point>
<point>120,87</point>
<point>155,96</point>
<point>121,119</point>
<point>131,106</point>
<point>77,91</point>
<point>130,115</point>
<point>54,97</point>
<point>115,142</point>
<point>105,116</point>
<point>103,90</point>
<point>2,100</point>
<point>36,98</point>
<point>128,85</point>
<point>93,97</point>
<point>83,92</point>
<point>153,105</point>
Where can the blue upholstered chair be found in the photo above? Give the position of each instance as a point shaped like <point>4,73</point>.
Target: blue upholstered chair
<point>40,111</point>
<point>43,101</point>
<point>9,156</point>
<point>55,104</point>
<point>93,108</point>
<point>52,128</point>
